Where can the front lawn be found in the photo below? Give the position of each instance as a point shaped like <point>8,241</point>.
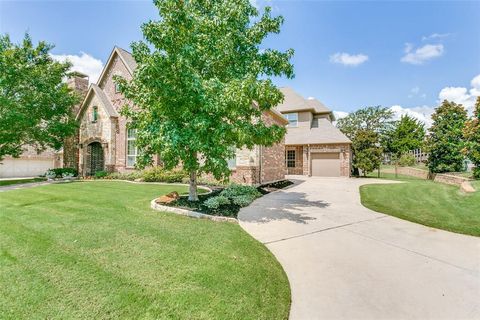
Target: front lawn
<point>432,204</point>
<point>20,181</point>
<point>95,250</point>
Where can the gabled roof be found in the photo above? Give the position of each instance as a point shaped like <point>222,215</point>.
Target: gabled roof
<point>126,58</point>
<point>324,133</point>
<point>106,104</point>
<point>295,102</point>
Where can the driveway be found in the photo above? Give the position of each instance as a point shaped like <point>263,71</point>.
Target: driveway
<point>345,261</point>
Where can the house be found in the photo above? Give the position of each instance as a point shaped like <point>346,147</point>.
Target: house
<point>313,145</point>
<point>30,163</point>
<point>105,143</point>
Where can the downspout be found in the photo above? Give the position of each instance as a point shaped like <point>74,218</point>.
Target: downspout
<point>260,168</point>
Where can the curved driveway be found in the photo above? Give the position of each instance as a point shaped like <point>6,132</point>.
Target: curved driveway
<point>345,261</point>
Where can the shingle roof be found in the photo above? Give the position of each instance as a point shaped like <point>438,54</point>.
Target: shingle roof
<point>295,102</point>
<point>105,101</point>
<point>325,133</point>
<point>128,58</point>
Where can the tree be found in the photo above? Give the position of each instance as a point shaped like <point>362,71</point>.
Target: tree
<point>471,134</point>
<point>361,127</point>
<point>445,139</point>
<point>199,72</point>
<point>407,134</point>
<point>35,105</point>
<point>367,151</point>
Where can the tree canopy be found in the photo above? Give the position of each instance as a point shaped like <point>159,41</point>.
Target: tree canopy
<point>471,133</point>
<point>445,139</point>
<point>406,134</point>
<point>35,104</point>
<point>199,71</point>
<point>367,129</point>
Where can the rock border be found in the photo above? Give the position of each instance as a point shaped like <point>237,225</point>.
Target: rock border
<point>190,213</point>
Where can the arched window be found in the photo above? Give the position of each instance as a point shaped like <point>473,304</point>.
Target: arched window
<point>95,114</point>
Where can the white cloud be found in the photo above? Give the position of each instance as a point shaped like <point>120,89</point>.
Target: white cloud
<point>436,36</point>
<point>348,59</point>
<point>422,54</point>
<point>340,114</point>
<point>84,63</point>
<point>423,113</point>
<point>415,92</point>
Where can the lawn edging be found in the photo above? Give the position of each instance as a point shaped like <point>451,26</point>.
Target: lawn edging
<point>190,213</point>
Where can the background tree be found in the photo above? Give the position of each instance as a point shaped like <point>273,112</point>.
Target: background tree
<point>370,123</point>
<point>471,133</point>
<point>407,134</point>
<point>35,105</point>
<point>445,139</point>
<point>198,73</point>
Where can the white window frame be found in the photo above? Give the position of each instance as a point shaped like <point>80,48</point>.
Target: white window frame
<point>131,155</point>
<point>292,119</point>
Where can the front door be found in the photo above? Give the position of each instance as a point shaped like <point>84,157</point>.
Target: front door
<point>95,161</point>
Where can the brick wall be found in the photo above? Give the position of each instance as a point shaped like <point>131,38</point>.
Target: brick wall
<point>345,156</point>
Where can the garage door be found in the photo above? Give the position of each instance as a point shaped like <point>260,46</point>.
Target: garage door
<point>326,164</point>
<point>24,168</point>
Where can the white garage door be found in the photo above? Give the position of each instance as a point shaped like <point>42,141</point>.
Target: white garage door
<point>10,168</point>
<point>326,164</point>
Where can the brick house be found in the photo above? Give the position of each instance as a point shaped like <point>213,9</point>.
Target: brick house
<point>106,143</point>
<point>313,145</point>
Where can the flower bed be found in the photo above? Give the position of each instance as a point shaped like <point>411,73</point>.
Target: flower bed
<point>226,201</point>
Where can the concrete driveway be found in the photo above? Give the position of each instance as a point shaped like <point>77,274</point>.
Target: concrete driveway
<point>345,261</point>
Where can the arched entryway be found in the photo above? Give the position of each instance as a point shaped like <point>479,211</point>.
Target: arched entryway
<point>95,161</point>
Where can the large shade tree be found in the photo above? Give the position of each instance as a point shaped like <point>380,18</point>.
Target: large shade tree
<point>368,129</point>
<point>35,102</point>
<point>445,140</point>
<point>199,71</point>
<point>471,133</point>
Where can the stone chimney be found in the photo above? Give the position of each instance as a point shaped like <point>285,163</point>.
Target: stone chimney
<point>79,83</point>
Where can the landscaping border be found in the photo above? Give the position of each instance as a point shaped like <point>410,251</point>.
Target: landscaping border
<point>190,213</point>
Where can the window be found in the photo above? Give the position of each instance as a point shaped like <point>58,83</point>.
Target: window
<point>290,158</point>
<point>292,119</point>
<point>232,162</point>
<point>117,88</point>
<point>95,114</point>
<point>132,151</point>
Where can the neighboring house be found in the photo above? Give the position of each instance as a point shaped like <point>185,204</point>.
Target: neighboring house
<point>313,145</point>
<point>107,144</point>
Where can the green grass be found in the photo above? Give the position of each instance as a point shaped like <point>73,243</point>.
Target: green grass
<point>95,250</point>
<point>18,181</point>
<point>432,204</point>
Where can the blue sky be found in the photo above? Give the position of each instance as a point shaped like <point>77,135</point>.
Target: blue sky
<point>348,54</point>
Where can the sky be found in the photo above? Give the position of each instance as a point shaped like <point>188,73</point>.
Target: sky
<point>405,55</point>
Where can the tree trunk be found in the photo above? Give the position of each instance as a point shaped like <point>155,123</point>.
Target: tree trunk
<point>192,192</point>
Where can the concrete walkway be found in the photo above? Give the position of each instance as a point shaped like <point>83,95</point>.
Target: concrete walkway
<point>345,261</point>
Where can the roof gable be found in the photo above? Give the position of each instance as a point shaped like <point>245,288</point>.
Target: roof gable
<point>95,90</point>
<point>295,102</point>
<point>126,59</point>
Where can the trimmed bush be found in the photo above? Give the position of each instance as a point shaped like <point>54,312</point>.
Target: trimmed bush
<point>158,174</point>
<point>235,190</point>
<point>100,174</point>
<point>215,203</point>
<point>130,176</point>
<point>406,160</point>
<point>59,172</point>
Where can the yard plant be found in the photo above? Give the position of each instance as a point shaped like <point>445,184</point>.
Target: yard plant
<point>95,250</point>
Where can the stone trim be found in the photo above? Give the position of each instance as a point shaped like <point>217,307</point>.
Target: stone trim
<point>189,213</point>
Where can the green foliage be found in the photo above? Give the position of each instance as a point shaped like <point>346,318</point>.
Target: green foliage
<point>234,190</point>
<point>59,172</point>
<point>100,174</point>
<point>406,160</point>
<point>200,70</point>
<point>159,174</point>
<point>367,153</point>
<point>215,203</point>
<point>471,134</point>
<point>406,134</point>
<point>130,176</point>
<point>367,128</point>
<point>445,139</point>
<point>35,104</point>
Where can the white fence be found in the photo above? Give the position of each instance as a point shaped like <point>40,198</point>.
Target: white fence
<point>419,155</point>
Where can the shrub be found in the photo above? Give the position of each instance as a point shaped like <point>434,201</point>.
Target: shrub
<point>158,174</point>
<point>131,176</point>
<point>235,190</point>
<point>215,203</point>
<point>406,160</point>
<point>476,172</point>
<point>100,174</point>
<point>60,172</point>
<point>242,200</point>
